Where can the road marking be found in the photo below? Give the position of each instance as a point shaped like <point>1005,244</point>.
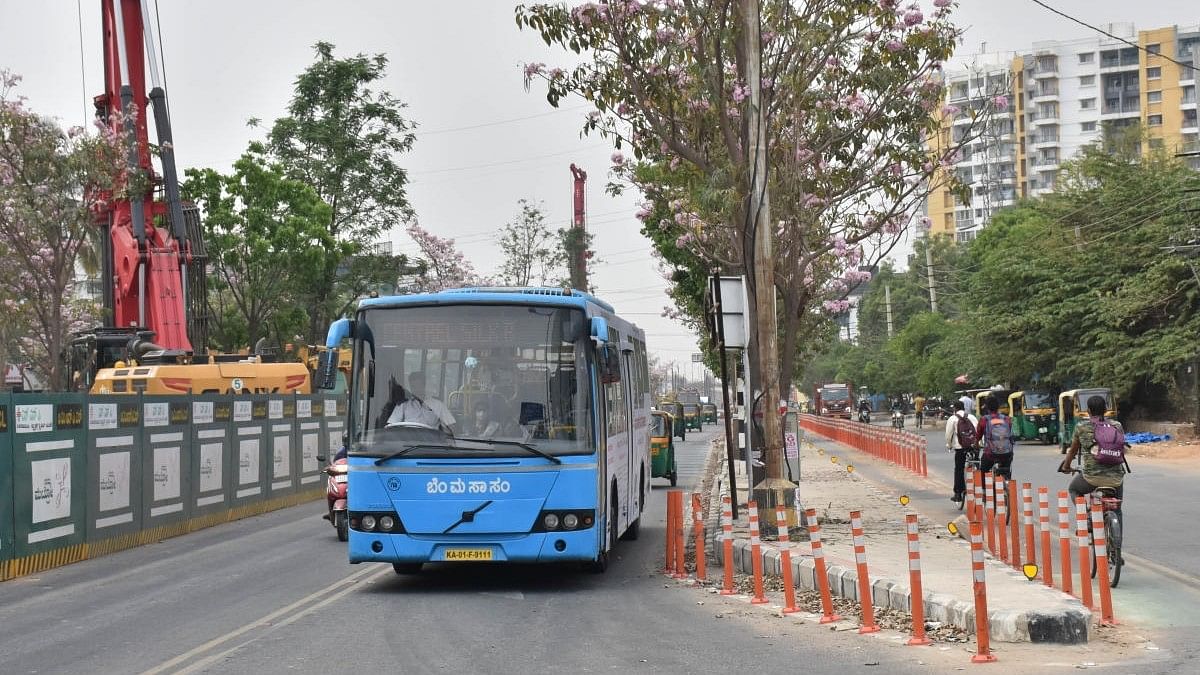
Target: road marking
<point>267,620</point>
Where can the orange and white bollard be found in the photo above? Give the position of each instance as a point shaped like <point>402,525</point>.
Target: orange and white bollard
<point>917,597</point>
<point>982,636</point>
<point>785,561</point>
<point>727,543</point>
<point>1027,514</point>
<point>814,540</point>
<point>1064,539</point>
<point>680,538</point>
<point>669,564</point>
<point>1014,522</point>
<point>979,497</point>
<point>756,556</point>
<point>1085,568</point>
<point>969,507</point>
<point>1002,517</point>
<point>1101,551</point>
<point>864,579</point>
<point>925,460</point>
<point>1044,522</point>
<point>698,536</point>
<point>989,511</point>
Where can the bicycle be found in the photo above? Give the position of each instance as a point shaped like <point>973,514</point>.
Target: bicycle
<point>970,466</point>
<point>1112,531</point>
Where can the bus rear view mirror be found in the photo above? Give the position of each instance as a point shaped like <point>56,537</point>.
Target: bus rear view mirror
<point>327,369</point>
<point>612,364</point>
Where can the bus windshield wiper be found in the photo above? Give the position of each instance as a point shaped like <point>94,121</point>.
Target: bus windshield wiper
<point>519,444</point>
<point>407,449</point>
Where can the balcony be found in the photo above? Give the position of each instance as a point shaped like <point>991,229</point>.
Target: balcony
<point>1126,108</point>
<point>1043,119</point>
<point>1047,94</point>
<point>1042,72</point>
<point>1042,142</point>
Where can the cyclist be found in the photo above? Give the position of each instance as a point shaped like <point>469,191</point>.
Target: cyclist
<point>1095,474</point>
<point>995,432</point>
<point>919,408</point>
<point>960,438</point>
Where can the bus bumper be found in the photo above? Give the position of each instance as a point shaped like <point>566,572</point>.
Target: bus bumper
<point>536,547</point>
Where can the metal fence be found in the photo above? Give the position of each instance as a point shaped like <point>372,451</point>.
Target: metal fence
<point>81,476</point>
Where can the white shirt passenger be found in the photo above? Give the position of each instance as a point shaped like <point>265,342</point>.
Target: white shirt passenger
<point>426,412</point>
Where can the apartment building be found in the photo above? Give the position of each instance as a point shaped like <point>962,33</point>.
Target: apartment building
<point>1065,95</point>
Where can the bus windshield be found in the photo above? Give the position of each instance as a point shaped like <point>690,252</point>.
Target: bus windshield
<point>505,376</point>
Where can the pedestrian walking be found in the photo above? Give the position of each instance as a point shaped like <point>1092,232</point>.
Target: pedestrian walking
<point>961,436</point>
<point>968,403</point>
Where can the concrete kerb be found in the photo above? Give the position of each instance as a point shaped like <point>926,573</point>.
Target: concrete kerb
<point>1064,626</point>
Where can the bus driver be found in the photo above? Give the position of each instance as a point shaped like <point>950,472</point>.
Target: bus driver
<point>413,407</point>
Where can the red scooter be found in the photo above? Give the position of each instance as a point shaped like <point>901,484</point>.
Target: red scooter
<point>335,497</point>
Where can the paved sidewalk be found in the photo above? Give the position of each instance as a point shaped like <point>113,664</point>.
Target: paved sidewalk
<point>1019,610</point>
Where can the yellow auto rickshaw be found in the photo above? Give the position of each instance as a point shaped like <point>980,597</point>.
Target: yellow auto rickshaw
<point>1072,406</point>
<point>1002,395</point>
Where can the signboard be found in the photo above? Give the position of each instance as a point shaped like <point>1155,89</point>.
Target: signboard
<point>734,310</point>
<point>791,445</point>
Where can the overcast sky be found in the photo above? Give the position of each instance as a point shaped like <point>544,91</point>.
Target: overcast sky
<point>483,141</point>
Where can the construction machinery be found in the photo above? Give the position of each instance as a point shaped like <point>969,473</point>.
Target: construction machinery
<point>153,250</point>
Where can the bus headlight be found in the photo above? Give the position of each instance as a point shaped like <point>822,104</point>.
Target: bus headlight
<point>570,521</point>
<point>550,521</point>
<point>386,523</point>
<point>368,522</point>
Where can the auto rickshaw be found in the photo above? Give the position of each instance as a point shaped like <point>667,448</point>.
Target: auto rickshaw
<point>691,416</point>
<point>709,410</point>
<point>1034,417</point>
<point>662,447</point>
<point>1002,395</point>
<point>1072,406</point>
<point>679,426</point>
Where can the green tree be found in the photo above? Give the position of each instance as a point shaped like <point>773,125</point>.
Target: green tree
<point>266,234</point>
<point>343,137</point>
<point>533,255</point>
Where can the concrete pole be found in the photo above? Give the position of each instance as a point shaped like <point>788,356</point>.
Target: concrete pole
<point>929,273</point>
<point>764,270</point>
<point>887,299</point>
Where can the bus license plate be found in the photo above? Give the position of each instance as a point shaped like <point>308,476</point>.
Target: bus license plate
<point>468,554</point>
<point>1042,430</point>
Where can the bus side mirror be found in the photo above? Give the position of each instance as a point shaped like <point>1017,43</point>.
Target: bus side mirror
<point>599,330</point>
<point>612,365</point>
<point>327,369</point>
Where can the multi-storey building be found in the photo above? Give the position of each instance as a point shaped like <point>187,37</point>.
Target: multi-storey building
<point>1065,95</point>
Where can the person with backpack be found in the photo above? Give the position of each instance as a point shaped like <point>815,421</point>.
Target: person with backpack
<point>960,437</point>
<point>1101,442</point>
<point>996,439</point>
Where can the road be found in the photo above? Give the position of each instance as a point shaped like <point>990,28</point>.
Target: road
<point>1160,583</point>
<point>273,594</point>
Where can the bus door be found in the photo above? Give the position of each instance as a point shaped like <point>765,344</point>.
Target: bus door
<point>629,505</point>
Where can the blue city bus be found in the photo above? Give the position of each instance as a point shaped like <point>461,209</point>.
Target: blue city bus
<point>493,424</point>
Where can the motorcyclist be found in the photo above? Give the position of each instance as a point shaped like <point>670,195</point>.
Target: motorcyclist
<point>864,409</point>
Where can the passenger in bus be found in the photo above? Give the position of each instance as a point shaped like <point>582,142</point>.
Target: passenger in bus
<point>483,426</point>
<point>412,406</point>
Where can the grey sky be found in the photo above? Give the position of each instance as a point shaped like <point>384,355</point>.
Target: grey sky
<point>457,64</point>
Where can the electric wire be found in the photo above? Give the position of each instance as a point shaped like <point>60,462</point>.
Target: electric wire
<point>1119,39</point>
<point>82,62</point>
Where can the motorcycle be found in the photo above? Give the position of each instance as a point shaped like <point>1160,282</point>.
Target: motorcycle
<point>335,498</point>
<point>897,419</point>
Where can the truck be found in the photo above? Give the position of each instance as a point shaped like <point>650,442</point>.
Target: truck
<point>834,399</point>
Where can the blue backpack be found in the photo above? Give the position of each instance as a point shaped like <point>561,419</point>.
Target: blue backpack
<point>997,434</point>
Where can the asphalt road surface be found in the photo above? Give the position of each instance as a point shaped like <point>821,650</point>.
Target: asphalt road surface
<point>274,594</point>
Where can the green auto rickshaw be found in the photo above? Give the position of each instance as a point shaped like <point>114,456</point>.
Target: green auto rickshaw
<point>709,410</point>
<point>662,447</point>
<point>679,425</point>
<point>1034,416</point>
<point>1002,396</point>
<point>1072,406</point>
<point>691,415</point>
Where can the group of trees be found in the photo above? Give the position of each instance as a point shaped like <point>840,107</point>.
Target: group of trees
<point>1073,289</point>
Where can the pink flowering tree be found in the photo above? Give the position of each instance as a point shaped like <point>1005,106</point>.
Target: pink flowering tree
<point>50,178</point>
<point>442,264</point>
<point>857,134</point>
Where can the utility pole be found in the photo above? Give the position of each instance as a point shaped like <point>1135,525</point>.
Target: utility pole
<point>887,299</point>
<point>577,242</point>
<point>929,272</point>
<point>774,489</point>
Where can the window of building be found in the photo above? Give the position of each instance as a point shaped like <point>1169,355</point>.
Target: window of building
<point>1154,97</point>
<point>1087,57</point>
<point>1154,120</point>
<point>1156,143</point>
<point>1087,104</point>
<point>1087,126</point>
<point>1153,73</point>
<point>1154,49</point>
<point>1087,80</point>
